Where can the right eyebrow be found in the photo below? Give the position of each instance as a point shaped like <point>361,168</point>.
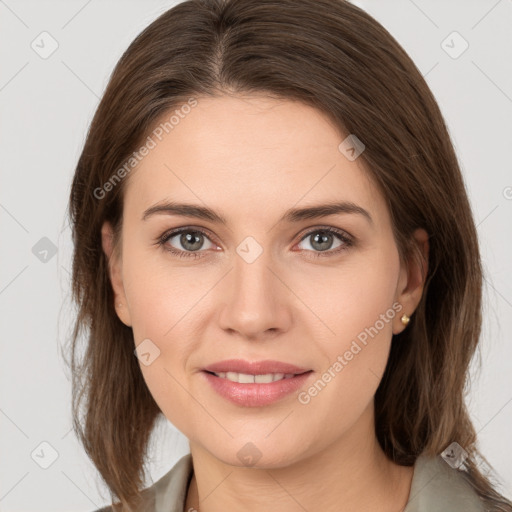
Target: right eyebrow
<point>184,210</point>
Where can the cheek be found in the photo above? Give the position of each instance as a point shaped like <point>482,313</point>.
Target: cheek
<point>356,298</point>
<point>365,321</point>
<point>358,308</point>
<point>158,291</point>
<point>164,310</point>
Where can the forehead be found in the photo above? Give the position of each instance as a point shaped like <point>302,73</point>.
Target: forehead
<point>250,155</point>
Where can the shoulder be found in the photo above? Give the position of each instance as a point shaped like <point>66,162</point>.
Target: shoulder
<point>169,492</point>
<point>438,486</point>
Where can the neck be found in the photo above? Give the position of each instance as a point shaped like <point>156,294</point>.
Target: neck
<point>351,474</point>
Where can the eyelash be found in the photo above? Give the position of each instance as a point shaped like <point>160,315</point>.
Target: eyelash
<point>342,236</point>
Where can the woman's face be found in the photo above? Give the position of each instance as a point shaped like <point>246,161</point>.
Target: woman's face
<point>268,284</point>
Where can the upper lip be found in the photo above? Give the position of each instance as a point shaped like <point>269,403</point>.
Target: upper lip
<point>255,367</point>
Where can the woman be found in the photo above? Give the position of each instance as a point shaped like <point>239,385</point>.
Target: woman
<point>274,250</point>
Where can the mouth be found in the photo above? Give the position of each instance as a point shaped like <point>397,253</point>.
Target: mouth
<point>247,378</point>
<point>254,368</point>
<point>256,390</point>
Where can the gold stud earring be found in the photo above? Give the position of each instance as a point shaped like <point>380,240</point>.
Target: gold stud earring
<point>405,319</point>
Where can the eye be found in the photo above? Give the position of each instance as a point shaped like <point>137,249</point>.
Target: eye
<point>190,240</point>
<point>323,240</point>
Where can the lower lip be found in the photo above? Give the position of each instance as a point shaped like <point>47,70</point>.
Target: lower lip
<point>256,395</point>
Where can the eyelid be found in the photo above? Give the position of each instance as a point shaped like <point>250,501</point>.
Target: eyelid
<point>171,233</point>
<point>330,229</point>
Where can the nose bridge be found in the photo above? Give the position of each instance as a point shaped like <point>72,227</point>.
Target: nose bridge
<point>255,301</point>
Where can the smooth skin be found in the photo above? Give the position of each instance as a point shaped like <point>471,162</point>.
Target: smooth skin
<point>251,158</point>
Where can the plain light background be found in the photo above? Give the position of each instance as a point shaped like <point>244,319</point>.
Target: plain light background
<point>46,107</point>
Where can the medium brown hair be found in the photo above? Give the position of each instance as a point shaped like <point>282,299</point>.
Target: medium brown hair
<point>333,56</point>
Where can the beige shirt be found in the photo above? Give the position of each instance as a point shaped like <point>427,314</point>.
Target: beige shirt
<point>435,487</point>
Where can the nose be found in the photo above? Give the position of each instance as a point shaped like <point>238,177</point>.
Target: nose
<point>256,303</point>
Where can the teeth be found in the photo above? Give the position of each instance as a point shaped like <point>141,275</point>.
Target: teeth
<point>244,378</point>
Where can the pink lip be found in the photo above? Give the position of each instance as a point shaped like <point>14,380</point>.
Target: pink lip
<point>254,368</point>
<point>255,395</point>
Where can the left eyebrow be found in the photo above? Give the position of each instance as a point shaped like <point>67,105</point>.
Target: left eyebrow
<point>323,210</point>
<point>292,215</point>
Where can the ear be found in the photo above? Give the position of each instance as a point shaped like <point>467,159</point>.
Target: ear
<point>412,280</point>
<point>115,273</point>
